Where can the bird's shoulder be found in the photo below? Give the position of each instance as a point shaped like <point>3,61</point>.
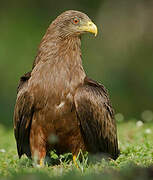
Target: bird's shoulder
<point>90,86</point>
<point>23,80</point>
<point>94,92</point>
<point>92,83</point>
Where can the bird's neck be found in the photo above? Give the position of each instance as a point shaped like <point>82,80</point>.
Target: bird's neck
<point>62,59</point>
<point>70,51</point>
<point>58,50</point>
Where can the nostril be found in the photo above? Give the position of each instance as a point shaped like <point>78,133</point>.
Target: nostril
<point>90,24</point>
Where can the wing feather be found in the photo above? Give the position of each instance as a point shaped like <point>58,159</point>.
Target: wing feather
<point>23,114</point>
<point>96,118</point>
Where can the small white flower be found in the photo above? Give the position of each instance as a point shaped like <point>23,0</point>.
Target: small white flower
<point>2,150</point>
<point>148,131</point>
<point>139,123</point>
<point>119,117</point>
<point>147,116</point>
<point>37,166</point>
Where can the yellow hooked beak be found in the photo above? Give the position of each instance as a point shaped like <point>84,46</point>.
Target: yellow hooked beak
<point>89,27</point>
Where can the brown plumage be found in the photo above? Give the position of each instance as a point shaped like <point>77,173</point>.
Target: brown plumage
<point>57,98</point>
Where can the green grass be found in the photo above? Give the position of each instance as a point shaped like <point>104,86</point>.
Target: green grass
<point>136,158</point>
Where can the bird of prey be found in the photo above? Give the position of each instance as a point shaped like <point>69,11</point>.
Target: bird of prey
<point>57,98</point>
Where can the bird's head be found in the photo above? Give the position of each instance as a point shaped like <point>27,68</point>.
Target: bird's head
<point>74,23</point>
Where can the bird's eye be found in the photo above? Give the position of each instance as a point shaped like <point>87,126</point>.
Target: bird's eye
<point>76,20</point>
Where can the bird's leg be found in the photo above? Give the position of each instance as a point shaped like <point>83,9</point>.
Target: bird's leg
<point>38,147</point>
<point>78,156</point>
<point>74,160</point>
<point>41,163</point>
<point>38,156</point>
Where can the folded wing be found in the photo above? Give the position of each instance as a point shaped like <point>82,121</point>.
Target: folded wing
<point>23,114</point>
<point>96,118</point>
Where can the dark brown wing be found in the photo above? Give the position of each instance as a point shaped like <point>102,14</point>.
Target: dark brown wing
<point>96,118</point>
<point>23,113</point>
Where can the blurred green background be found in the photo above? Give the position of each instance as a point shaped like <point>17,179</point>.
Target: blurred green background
<point>120,57</point>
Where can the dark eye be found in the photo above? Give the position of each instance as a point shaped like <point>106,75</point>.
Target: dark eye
<point>76,20</point>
